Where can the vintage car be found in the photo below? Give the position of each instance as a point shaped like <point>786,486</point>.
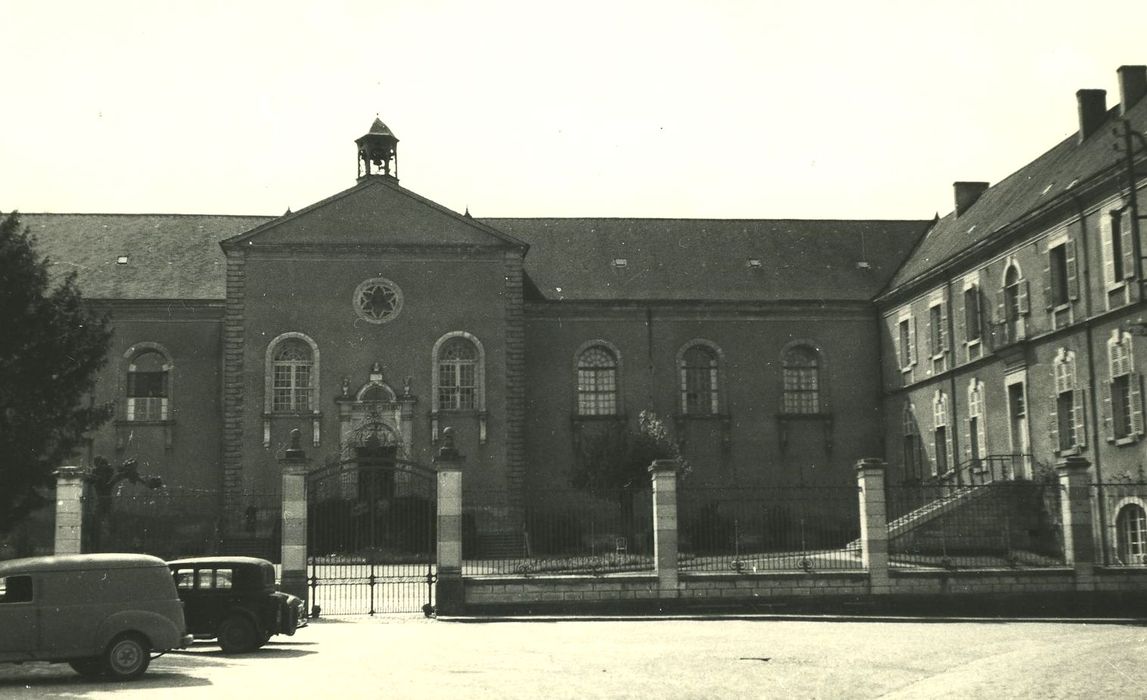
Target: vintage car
<point>104,614</point>
<point>234,601</point>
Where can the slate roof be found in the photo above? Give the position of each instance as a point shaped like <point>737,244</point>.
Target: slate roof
<point>169,256</point>
<point>179,257</point>
<point>1050,177</point>
<point>708,259</point>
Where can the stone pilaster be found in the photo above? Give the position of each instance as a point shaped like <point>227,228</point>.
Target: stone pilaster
<point>664,474</point>
<point>234,320</point>
<point>515,387</point>
<point>873,523</point>
<point>69,510</point>
<point>294,465</point>
<point>449,592</point>
<point>1075,508</point>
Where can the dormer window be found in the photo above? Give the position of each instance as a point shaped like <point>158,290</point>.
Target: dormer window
<point>121,260</point>
<point>754,264</point>
<point>620,263</point>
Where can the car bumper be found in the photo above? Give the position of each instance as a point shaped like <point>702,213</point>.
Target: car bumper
<point>185,641</point>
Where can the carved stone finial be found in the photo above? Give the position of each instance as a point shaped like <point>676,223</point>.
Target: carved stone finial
<point>346,386</point>
<point>448,452</point>
<point>295,451</point>
<point>406,390</point>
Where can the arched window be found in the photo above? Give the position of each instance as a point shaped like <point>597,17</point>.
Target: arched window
<point>801,368</point>
<point>1068,432</point>
<point>457,375</point>
<point>1131,532</point>
<point>148,386</point>
<point>941,435</point>
<point>1123,414</point>
<point>977,435</point>
<point>292,377</point>
<point>699,396</point>
<point>1016,303</point>
<point>597,368</point>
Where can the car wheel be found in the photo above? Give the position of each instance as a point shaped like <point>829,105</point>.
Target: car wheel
<point>126,657</point>
<point>264,638</point>
<point>89,667</point>
<point>238,635</point>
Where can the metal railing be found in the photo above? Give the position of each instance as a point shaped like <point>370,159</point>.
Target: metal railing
<point>755,530</point>
<point>996,524</point>
<point>561,531</point>
<point>1124,505</point>
<point>985,470</point>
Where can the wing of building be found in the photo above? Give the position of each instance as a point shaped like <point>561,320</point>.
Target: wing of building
<point>995,340</point>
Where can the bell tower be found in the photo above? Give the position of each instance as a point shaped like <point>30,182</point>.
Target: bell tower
<point>377,151</point>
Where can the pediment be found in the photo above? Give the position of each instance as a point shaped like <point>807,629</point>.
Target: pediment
<point>375,212</point>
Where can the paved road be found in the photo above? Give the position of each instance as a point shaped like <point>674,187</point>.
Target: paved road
<point>416,658</point>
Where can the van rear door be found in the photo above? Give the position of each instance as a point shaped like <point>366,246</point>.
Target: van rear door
<point>19,625</point>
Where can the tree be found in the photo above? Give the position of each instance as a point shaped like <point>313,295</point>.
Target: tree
<point>51,347</point>
<point>614,458</point>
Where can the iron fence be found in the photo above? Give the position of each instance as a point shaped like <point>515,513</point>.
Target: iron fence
<point>558,531</point>
<point>754,530</point>
<point>1122,508</point>
<point>173,522</point>
<point>1015,524</point>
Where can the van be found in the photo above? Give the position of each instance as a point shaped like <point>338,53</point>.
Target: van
<point>104,614</point>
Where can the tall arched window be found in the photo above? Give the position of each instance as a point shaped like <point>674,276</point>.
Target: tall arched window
<point>941,435</point>
<point>1015,302</point>
<point>1131,533</point>
<point>457,375</point>
<point>699,395</point>
<point>597,368</point>
<point>801,368</point>
<point>148,386</point>
<point>977,435</point>
<point>292,377</point>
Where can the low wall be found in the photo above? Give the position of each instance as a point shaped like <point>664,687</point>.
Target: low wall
<point>987,592</point>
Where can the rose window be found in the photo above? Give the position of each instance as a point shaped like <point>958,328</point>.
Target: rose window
<point>378,300</point>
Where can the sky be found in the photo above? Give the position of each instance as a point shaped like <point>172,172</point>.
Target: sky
<point>684,109</point>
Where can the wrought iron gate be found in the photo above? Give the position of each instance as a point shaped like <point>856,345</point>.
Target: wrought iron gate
<point>371,539</point>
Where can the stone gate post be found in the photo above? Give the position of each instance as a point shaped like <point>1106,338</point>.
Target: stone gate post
<point>664,472</point>
<point>450,596</point>
<point>873,523</point>
<point>294,464</point>
<point>69,510</point>
<point>1075,509</point>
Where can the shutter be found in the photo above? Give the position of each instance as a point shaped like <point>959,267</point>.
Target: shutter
<point>1108,423</point>
<point>1105,237</point>
<point>944,326</point>
<point>930,333</point>
<point>967,441</point>
<point>962,319</point>
<point>684,389</point>
<point>896,345</point>
<point>1078,417</point>
<point>1047,280</point>
<point>934,462</point>
<point>1127,239</point>
<point>1024,304</point>
<point>1135,386</point>
<point>951,452</point>
<point>1072,271</point>
<point>979,318</point>
<point>1001,307</point>
<point>1053,426</point>
<point>982,435</point>
<point>911,341</point>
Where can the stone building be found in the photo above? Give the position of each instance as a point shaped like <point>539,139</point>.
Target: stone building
<point>986,344</point>
<point>1013,331</point>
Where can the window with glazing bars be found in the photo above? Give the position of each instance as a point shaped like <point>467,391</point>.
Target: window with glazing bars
<point>801,380</point>
<point>597,382</point>
<point>147,386</point>
<point>1132,528</point>
<point>457,375</point>
<point>699,381</point>
<point>292,377</point>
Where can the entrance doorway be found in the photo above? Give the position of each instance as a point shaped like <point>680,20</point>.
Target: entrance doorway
<point>1018,429</point>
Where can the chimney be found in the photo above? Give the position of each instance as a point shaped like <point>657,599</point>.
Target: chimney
<point>1132,87</point>
<point>966,195</point>
<point>1092,111</point>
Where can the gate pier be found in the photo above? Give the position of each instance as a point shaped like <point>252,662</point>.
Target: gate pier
<point>295,465</point>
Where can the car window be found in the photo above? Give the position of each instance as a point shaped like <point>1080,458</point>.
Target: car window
<point>223,578</point>
<point>185,579</point>
<point>15,589</point>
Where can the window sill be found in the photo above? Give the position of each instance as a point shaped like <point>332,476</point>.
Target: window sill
<point>293,414</point>
<point>804,416</point>
<point>702,416</point>
<point>164,421</point>
<point>599,417</point>
<point>1120,442</point>
<point>1069,452</point>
